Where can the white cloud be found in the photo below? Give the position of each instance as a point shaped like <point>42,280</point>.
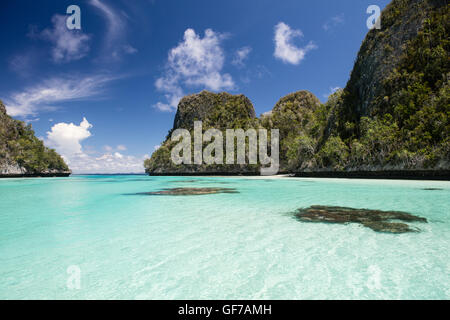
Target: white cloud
<point>46,94</point>
<point>333,22</point>
<point>118,155</point>
<point>67,139</point>
<point>195,62</point>
<point>115,21</point>
<point>68,44</point>
<point>121,147</point>
<point>115,44</point>
<point>106,163</point>
<point>129,49</point>
<point>285,50</point>
<point>156,147</point>
<point>166,107</point>
<point>32,120</point>
<point>173,94</point>
<point>240,56</point>
<point>332,90</point>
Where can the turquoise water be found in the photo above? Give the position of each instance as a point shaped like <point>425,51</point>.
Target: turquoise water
<point>222,246</point>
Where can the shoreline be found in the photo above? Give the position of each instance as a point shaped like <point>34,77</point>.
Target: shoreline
<point>430,175</point>
<point>441,175</point>
<point>35,175</point>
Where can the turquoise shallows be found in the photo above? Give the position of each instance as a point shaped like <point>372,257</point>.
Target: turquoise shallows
<point>221,246</point>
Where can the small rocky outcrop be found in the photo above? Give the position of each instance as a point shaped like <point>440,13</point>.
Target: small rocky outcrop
<point>188,191</point>
<point>377,220</point>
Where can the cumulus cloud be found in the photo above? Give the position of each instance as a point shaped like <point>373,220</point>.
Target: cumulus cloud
<point>285,50</point>
<point>195,62</point>
<point>46,94</point>
<point>240,56</point>
<point>68,44</point>
<point>106,163</point>
<point>66,139</point>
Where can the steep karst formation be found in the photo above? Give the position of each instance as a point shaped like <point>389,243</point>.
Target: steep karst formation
<point>22,154</point>
<point>392,116</point>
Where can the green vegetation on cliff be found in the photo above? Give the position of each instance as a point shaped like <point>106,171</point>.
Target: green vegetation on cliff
<point>400,117</point>
<point>21,150</point>
<point>393,113</point>
<point>300,118</point>
<point>220,111</point>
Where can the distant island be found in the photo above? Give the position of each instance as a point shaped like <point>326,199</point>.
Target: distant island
<point>24,155</point>
<point>390,121</point>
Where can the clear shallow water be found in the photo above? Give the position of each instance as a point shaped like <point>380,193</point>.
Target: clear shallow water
<point>223,246</point>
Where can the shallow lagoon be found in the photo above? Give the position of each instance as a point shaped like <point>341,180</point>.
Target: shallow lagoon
<point>244,245</point>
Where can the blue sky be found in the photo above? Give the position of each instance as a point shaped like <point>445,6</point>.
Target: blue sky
<point>124,71</point>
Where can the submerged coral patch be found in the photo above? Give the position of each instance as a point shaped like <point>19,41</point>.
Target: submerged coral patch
<point>376,220</point>
<point>189,191</point>
<point>200,181</point>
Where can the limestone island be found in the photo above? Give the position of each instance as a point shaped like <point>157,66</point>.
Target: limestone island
<point>390,121</point>
<point>22,154</point>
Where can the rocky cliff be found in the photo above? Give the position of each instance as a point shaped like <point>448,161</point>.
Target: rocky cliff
<point>382,50</point>
<point>22,154</point>
<point>391,119</point>
<point>220,111</point>
<point>393,113</point>
<point>293,115</point>
<point>296,115</point>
